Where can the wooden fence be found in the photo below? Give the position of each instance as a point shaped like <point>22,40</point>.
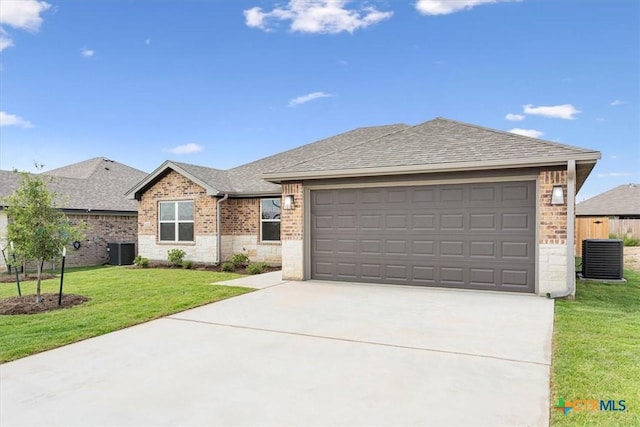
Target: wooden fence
<point>590,228</point>
<point>603,227</point>
<point>625,227</point>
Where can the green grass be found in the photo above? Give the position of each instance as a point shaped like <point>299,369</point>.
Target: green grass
<point>120,297</point>
<point>597,352</point>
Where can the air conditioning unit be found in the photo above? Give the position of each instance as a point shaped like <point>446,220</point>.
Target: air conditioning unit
<point>602,259</point>
<point>121,253</point>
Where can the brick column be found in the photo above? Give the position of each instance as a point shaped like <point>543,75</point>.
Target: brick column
<point>292,232</point>
<point>552,234</point>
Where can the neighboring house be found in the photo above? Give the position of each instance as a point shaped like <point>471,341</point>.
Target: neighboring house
<point>622,202</point>
<point>441,203</point>
<point>92,191</point>
<point>619,208</point>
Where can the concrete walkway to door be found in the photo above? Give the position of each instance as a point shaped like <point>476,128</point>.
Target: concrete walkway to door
<point>303,353</point>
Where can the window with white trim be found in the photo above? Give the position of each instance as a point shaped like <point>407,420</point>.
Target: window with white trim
<point>176,221</point>
<point>270,220</point>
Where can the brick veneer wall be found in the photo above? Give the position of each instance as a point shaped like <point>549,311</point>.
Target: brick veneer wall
<point>174,187</point>
<point>293,220</point>
<point>240,217</point>
<point>292,233</point>
<point>553,219</point>
<point>100,231</point>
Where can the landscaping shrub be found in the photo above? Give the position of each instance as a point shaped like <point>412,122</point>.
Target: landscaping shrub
<point>239,260</point>
<point>257,268</point>
<point>228,266</point>
<point>186,264</point>
<point>626,240</point>
<point>141,261</point>
<point>176,256</point>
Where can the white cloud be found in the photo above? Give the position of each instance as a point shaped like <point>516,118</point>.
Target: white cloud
<point>87,53</point>
<point>13,120</point>
<point>316,16</point>
<point>532,133</point>
<point>617,102</point>
<point>5,40</point>
<point>445,7</point>
<point>21,15</point>
<point>614,174</point>
<point>514,117</point>
<point>309,97</point>
<point>614,157</point>
<point>186,149</point>
<point>565,111</point>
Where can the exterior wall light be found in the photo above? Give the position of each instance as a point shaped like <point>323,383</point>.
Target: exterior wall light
<point>288,202</point>
<point>557,195</point>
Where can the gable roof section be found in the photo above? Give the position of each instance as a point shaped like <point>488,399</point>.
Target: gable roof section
<point>438,145</point>
<point>623,200</point>
<point>245,180</point>
<point>97,184</point>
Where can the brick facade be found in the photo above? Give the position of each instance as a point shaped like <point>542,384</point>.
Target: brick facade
<point>293,220</point>
<point>553,219</point>
<point>100,231</point>
<point>174,187</point>
<point>239,218</point>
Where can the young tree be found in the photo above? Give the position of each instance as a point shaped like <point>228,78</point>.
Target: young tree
<point>37,228</point>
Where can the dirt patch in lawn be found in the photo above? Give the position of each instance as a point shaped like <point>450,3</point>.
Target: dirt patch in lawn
<point>10,278</point>
<point>632,257</point>
<point>27,304</point>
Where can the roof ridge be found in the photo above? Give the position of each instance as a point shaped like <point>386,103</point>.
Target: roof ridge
<point>357,144</point>
<point>316,142</point>
<point>504,132</point>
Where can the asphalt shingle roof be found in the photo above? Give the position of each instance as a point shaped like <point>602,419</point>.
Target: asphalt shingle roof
<point>97,184</point>
<point>246,180</point>
<point>623,200</point>
<point>432,144</point>
<point>438,141</point>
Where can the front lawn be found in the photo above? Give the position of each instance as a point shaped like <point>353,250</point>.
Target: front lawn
<point>597,352</point>
<point>119,297</point>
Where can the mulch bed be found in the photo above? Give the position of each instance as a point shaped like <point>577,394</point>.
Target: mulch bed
<point>27,304</point>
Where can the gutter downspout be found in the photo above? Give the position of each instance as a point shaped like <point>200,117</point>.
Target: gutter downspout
<point>571,203</point>
<point>219,229</point>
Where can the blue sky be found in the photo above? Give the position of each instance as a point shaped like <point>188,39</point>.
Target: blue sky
<point>224,82</point>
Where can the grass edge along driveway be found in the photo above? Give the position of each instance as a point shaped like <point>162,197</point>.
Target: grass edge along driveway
<point>596,352</point>
<point>119,297</point>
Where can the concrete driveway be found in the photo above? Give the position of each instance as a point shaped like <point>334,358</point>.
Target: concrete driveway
<point>303,353</point>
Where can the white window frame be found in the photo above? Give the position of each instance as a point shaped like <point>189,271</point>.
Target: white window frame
<point>262,220</point>
<point>176,221</point>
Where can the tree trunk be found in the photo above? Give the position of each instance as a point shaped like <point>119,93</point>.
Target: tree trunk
<point>38,296</point>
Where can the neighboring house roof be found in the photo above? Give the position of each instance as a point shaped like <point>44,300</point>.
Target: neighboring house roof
<point>439,145</point>
<point>623,200</point>
<point>97,184</point>
<point>245,180</point>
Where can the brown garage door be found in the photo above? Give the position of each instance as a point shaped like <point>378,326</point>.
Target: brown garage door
<point>476,236</point>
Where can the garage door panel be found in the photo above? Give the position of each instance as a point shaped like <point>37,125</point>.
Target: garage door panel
<point>397,222</point>
<point>485,277</point>
<point>449,221</point>
<point>482,249</point>
<point>478,236</point>
<point>452,248</point>
<point>347,270</point>
<point>483,221</point>
<point>517,250</point>
<point>517,193</point>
